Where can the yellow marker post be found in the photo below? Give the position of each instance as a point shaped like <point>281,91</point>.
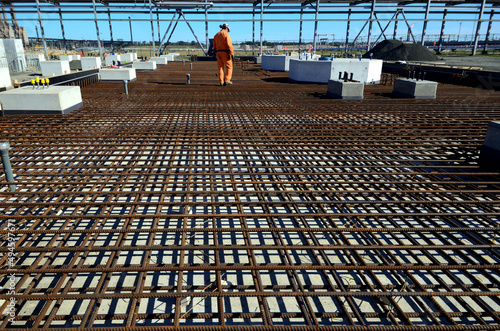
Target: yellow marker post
<point>37,80</point>
<point>47,82</point>
<point>33,83</point>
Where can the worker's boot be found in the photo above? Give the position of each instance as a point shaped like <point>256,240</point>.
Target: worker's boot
<point>228,83</point>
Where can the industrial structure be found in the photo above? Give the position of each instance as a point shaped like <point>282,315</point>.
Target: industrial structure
<point>315,11</point>
<point>159,200</point>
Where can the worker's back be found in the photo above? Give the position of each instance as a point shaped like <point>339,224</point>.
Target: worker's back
<point>222,42</point>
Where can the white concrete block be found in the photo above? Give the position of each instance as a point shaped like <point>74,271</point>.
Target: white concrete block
<point>277,62</point>
<point>159,60</point>
<point>127,57</point>
<point>52,100</point>
<point>310,71</point>
<point>170,56</point>
<point>39,57</point>
<point>66,58</point>
<point>150,65</point>
<point>418,89</point>
<point>366,71</point>
<point>110,58</point>
<point>134,56</point>
<point>5,78</point>
<point>91,63</point>
<point>51,68</point>
<point>14,52</point>
<point>3,57</point>
<point>118,74</point>
<point>345,90</point>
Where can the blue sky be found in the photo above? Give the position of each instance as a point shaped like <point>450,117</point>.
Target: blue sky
<point>242,31</point>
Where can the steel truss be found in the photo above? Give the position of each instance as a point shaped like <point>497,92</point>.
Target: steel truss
<point>368,10</point>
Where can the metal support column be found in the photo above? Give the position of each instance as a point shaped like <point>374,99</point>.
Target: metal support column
<point>152,27</point>
<point>370,25</point>
<point>394,35</point>
<point>194,34</point>
<point>62,30</point>
<point>441,34</point>
<point>315,26</point>
<point>347,31</point>
<point>425,21</point>
<point>110,27</point>
<point>158,23</point>
<point>97,29</point>
<point>253,30</point>
<point>41,28</point>
<point>130,25</point>
<point>206,26</point>
<point>300,27</point>
<point>478,27</point>
<point>485,49</point>
<point>261,23</point>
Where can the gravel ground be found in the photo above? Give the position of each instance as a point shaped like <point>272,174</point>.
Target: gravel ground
<point>490,63</point>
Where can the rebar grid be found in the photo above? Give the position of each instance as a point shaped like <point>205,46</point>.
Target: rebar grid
<point>258,206</point>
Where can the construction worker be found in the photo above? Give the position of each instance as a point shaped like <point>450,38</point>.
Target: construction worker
<point>223,48</point>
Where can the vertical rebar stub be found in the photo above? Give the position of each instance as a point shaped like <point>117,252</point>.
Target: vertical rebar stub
<point>188,78</point>
<point>9,176</point>
<point>125,84</point>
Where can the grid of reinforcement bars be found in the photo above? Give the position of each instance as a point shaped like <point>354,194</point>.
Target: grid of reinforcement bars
<point>263,205</point>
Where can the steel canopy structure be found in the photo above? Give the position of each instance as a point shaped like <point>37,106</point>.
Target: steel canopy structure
<point>367,11</point>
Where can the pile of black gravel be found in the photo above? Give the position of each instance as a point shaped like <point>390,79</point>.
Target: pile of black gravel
<point>395,50</point>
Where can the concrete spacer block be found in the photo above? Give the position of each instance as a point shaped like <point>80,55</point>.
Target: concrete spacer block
<point>52,100</point>
<point>170,56</point>
<point>127,57</point>
<point>118,74</point>
<point>69,57</point>
<point>110,58</point>
<point>418,89</point>
<point>345,90</point>
<point>91,63</point>
<point>489,156</point>
<point>159,60</point>
<point>150,65</point>
<point>50,68</point>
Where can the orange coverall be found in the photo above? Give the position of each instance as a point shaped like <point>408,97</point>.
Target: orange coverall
<point>224,50</point>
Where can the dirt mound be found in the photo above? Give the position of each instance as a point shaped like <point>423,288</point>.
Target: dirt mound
<point>395,50</point>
